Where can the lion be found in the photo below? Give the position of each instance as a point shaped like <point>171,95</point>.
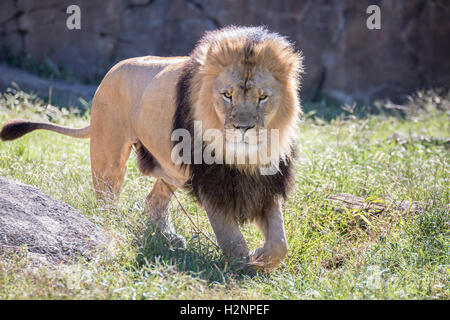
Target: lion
<point>238,81</point>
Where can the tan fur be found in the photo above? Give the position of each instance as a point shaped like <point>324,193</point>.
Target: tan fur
<point>136,103</point>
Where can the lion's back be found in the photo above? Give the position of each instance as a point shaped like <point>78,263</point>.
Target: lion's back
<point>128,79</point>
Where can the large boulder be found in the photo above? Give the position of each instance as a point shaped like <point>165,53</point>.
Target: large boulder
<point>51,231</point>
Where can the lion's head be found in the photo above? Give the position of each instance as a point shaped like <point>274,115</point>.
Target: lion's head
<point>244,82</point>
<point>240,83</point>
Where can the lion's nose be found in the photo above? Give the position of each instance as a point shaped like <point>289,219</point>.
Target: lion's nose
<point>243,127</point>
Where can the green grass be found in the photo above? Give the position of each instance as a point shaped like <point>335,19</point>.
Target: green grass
<point>333,255</point>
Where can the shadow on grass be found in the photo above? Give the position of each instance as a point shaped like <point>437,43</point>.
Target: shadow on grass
<point>203,261</point>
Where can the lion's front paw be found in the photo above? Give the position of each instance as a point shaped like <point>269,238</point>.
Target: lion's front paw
<point>257,259</point>
<point>267,258</point>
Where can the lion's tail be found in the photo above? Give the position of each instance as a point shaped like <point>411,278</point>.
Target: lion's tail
<point>16,128</point>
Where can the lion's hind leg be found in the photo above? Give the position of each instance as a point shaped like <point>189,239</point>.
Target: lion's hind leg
<point>108,176</point>
<point>109,155</point>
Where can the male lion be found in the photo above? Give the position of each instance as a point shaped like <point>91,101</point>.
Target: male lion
<point>238,80</point>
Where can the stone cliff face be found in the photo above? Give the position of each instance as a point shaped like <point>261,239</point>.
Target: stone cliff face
<point>343,58</point>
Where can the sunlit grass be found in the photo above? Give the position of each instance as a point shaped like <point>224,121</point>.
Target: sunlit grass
<point>333,255</point>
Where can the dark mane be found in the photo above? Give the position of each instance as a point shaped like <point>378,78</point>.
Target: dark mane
<point>183,118</point>
<point>242,195</point>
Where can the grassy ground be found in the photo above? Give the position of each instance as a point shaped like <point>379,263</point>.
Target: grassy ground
<point>333,255</point>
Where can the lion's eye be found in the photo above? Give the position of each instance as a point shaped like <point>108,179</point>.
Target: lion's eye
<point>227,95</point>
<point>262,97</point>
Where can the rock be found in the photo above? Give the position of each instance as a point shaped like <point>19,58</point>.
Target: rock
<point>51,231</point>
<point>342,201</point>
<point>405,139</point>
<point>343,58</point>
<point>63,93</point>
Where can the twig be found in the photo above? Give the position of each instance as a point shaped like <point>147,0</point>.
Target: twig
<point>190,219</point>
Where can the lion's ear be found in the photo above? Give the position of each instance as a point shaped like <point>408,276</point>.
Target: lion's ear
<point>296,61</point>
<point>291,61</point>
<point>293,68</point>
<point>282,60</point>
<point>212,58</point>
<point>200,55</point>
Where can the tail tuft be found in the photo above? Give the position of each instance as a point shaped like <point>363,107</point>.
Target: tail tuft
<point>15,129</point>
